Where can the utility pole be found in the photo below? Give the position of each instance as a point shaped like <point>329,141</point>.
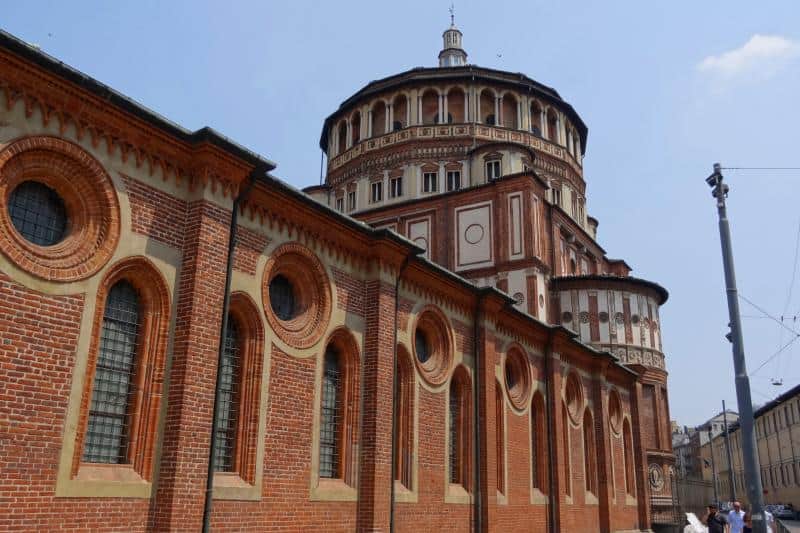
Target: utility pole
<point>713,465</point>
<point>751,466</point>
<point>728,452</point>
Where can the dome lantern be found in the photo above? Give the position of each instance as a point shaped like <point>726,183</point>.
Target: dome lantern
<point>452,54</point>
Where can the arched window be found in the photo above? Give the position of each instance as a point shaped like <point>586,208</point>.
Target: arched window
<point>405,419</point>
<point>552,126</point>
<point>589,454</point>
<point>379,113</point>
<point>567,453</point>
<point>456,106</point>
<point>342,137</point>
<point>458,413</point>
<point>627,452</point>
<point>538,440</point>
<point>400,112</point>
<point>228,406</point>
<point>536,119</point>
<point>355,128</point>
<point>510,112</point>
<point>338,408</point>
<point>430,107</point>
<point>125,370</point>
<point>486,103</point>
<point>500,436</point>
<point>330,416</point>
<point>108,427</point>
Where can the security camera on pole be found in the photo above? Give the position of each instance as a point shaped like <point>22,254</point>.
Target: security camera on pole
<point>751,466</point>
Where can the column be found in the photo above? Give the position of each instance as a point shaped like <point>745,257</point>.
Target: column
<point>390,117</point>
<point>375,456</point>
<point>543,122</point>
<point>602,439</point>
<point>408,111</point>
<point>640,457</point>
<point>497,120</point>
<point>349,140</point>
<point>466,107</point>
<point>369,123</point>
<point>445,113</point>
<point>441,118</point>
<point>180,492</point>
<point>519,114</point>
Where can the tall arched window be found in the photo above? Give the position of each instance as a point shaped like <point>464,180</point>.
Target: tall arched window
<point>589,454</point>
<point>339,408</point>
<point>108,427</point>
<point>330,416</point>
<point>567,452</point>
<point>538,451</point>
<point>500,437</point>
<point>228,406</point>
<point>118,418</point>
<point>405,419</point>
<point>458,413</point>
<point>627,451</point>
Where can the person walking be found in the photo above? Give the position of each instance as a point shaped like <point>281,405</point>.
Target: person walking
<point>716,522</point>
<point>736,518</point>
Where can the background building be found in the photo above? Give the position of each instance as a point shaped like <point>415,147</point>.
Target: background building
<point>483,364</point>
<point>777,427</point>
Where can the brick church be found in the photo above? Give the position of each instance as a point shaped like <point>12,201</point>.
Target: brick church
<point>431,340</point>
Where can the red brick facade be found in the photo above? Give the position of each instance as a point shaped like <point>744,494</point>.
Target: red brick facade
<point>362,294</point>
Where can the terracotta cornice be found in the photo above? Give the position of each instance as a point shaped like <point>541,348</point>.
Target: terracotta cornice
<point>136,134</point>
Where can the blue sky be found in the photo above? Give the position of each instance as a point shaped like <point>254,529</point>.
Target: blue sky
<point>666,89</point>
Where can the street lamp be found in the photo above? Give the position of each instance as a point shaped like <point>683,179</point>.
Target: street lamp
<point>751,467</point>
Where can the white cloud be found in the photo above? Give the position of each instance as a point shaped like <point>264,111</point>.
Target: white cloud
<point>762,55</point>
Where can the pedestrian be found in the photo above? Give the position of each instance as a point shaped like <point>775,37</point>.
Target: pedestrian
<point>748,523</point>
<point>736,518</point>
<point>716,522</point>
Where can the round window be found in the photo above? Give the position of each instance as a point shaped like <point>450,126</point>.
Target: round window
<point>296,295</point>
<point>38,213</point>
<point>281,297</point>
<point>59,218</point>
<point>518,377</point>
<point>574,397</point>
<point>433,345</point>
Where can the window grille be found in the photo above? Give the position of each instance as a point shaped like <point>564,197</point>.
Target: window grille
<point>107,432</point>
<point>38,213</point>
<point>330,415</point>
<point>351,200</point>
<point>228,406</point>
<point>455,415</point>
<point>281,297</point>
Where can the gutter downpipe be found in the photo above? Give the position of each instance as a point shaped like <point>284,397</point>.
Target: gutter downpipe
<point>476,447</point>
<point>226,298</point>
<point>551,459</point>
<point>395,387</point>
<point>553,501</point>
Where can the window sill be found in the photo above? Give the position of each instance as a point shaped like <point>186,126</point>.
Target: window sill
<point>403,494</point>
<point>229,486</point>
<point>333,490</point>
<point>630,500</point>
<point>538,497</point>
<point>104,481</point>
<point>502,499</point>
<point>590,499</point>
<point>456,493</point>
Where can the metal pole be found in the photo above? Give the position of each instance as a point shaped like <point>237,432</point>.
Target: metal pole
<point>728,453</point>
<point>713,466</point>
<point>750,459</point>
